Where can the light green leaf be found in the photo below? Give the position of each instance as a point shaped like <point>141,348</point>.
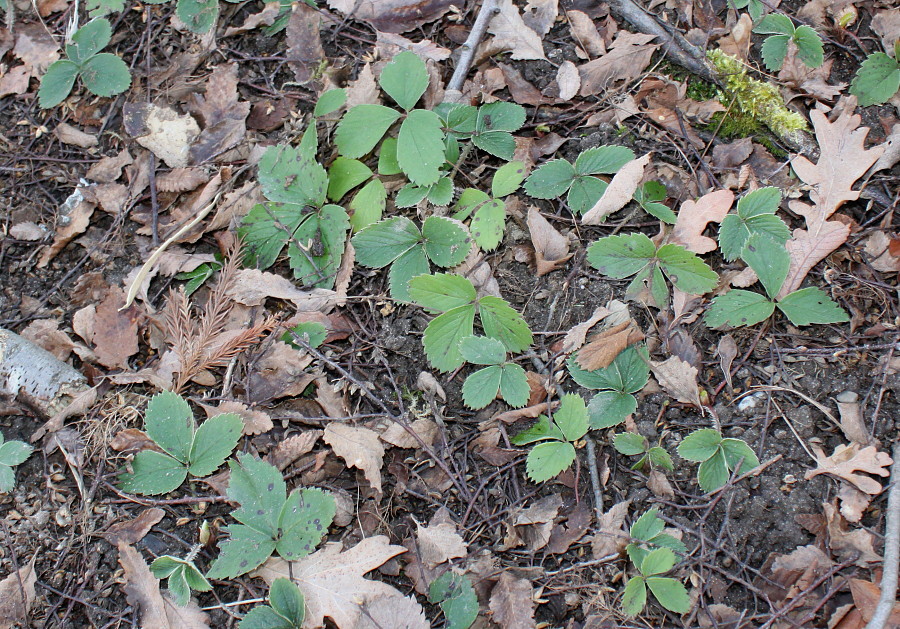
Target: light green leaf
<point>514,388</point>
<point>383,242</point>
<point>775,24</point>
<point>288,175</point>
<point>500,116</point>
<point>441,193</point>
<point>266,229</point>
<point>738,307</point>
<point>876,81</point>
<point>405,79</point>
<point>460,118</point>
<point>542,430</point>
<point>649,196</point>
<point>457,599</point>
<point>441,338</point>
<point>287,599</point>
<point>362,127</point>
<point>634,597</point>
<point>409,195</point>
<point>610,408</point>
<point>387,158</point>
<point>481,387</point>
<point>153,473</point>
<point>630,444</point>
<point>657,561</point>
<point>199,15</point>
<point>774,50</point>
<point>303,522</point>
<point>769,260</point>
<point>502,322</point>
<point>628,372</point>
<point>330,101</point>
<point>811,305</point>
<point>685,270</point>
<point>498,143</point>
<point>584,193</point>
<point>546,460</point>
<point>258,487</point>
<point>368,205</point>
<point>164,566</point>
<point>178,587</point>
<point>571,416</point>
<point>605,159</point>
<point>700,444</point>
<point>195,580</point>
<point>482,350</point>
<point>312,333</point>
<point>244,550</point>
<point>735,230</point>
<point>550,180</point>
<point>469,200</point>
<point>488,224</point>
<point>810,49</point>
<point>420,147</point>
<point>344,174</point>
<point>169,421</point>
<point>409,265</point>
<point>621,256</point>
<point>735,450</point>
<point>647,526</point>
<point>89,40</point>
<point>660,458</point>
<point>713,472</point>
<point>56,83</point>
<point>14,453</point>
<point>323,236</point>
<point>214,442</point>
<point>507,179</point>
<point>670,593</point>
<point>442,291</point>
<point>99,8</point>
<point>446,241</point>
<point>759,202</point>
<point>7,479</point>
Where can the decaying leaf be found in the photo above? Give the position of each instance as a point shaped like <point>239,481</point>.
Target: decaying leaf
<point>694,216</point>
<point>332,579</point>
<point>162,131</point>
<point>289,450</point>
<point>601,350</point>
<point>222,113</point>
<point>16,595</point>
<point>866,596</point>
<point>846,544</point>
<point>628,55</point>
<point>115,332</point>
<point>393,16</point>
<point>359,447</point>
<point>439,543</point>
<point>578,333</point>
<point>251,287</point>
<point>77,212</point>
<point>551,249</point>
<point>396,612</point>
<point>304,53</point>
<point>426,429</point>
<point>611,536</point>
<point>678,378</point>
<point>532,526</point>
<point>585,33</point>
<point>513,35</point>
<point>67,134</point>
<point>511,603</point>
<point>847,460</point>
<point>619,191</point>
<point>132,531</point>
<point>568,80</point>
<point>852,423</point>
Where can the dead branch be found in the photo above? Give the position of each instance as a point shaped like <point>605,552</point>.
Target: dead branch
<point>891,549</point>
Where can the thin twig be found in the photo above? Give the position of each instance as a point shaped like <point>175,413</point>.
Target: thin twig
<point>467,51</point>
<point>891,549</point>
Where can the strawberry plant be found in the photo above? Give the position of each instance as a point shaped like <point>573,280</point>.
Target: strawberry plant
<point>556,452</point>
<point>650,196</point>
<point>633,444</point>
<point>185,448</point>
<point>456,597</point>
<point>653,554</point>
<point>286,608</point>
<point>780,30</point>
<point>616,384</point>
<point>755,214</point>
<point>718,457</point>
<point>489,211</point>
<point>455,297</point>
<point>270,519</point>
<point>481,387</point>
<point>12,453</point>
<point>103,73</point>
<point>877,79</point>
<point>182,575</point>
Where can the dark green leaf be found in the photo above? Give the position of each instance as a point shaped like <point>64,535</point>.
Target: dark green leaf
<point>630,443</point>
<point>607,159</point>
<point>542,430</point>
<point>169,421</point>
<point>264,617</point>
<point>670,593</point>
<point>498,143</point>
<point>312,333</point>
<point>488,224</point>
<point>56,83</point>
<point>153,473</point>
<point>736,450</point>
<point>546,460</point>
<point>500,116</point>
<point>685,270</point>
<point>441,193</point>
<point>876,81</point>
<point>362,127</point>
<point>344,174</point>
<point>811,305</point>
<point>550,180</point>
<point>809,47</point>
<point>621,256</point>
<point>482,350</point>
<point>288,175</point>
<point>610,408</point>
<point>410,195</point>
<point>502,322</point>
<point>507,179</point>
<point>368,205</point>
<point>214,442</point>
<point>387,158</point>
<point>774,50</point>
<point>585,192</point>
<point>407,266</point>
<point>571,416</point>
<point>454,593</point>
<point>441,338</point>
<point>258,487</point>
<point>405,79</point>
<point>657,561</point>
<point>446,241</point>
<point>442,291</point>
<point>303,522</point>
<point>713,472</point>
<point>700,444</point>
<point>775,24</point>
<point>380,244</point>
<point>738,307</point>
<point>89,40</point>
<point>323,237</point>
<point>244,550</point>
<point>287,599</point>
<point>769,260</point>
<point>267,228</point>
<point>634,597</point>
<point>514,388</point>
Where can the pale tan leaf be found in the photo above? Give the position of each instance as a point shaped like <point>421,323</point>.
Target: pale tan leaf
<point>694,216</point>
<point>532,526</point>
<point>266,17</point>
<point>847,460</point>
<point>807,249</point>
<point>852,423</point>
<point>304,44</point>
<point>477,269</point>
<point>331,398</point>
<point>393,16</point>
<point>539,15</point>
<point>256,422</point>
<point>142,591</point>
<point>46,334</point>
<point>161,130</point>
<point>15,81</point>
<point>853,502</point>
<point>17,595</point>
<point>659,485</point>
<point>389,45</point>
<point>727,350</point>
<point>629,54</point>
<point>396,612</point>
<point>289,450</point>
<point>251,287</point>
<point>439,543</point>
<point>551,249</point>
<point>27,230</point>
<point>611,536</point>
<point>36,47</point>
<point>363,90</point>
<point>585,33</point>
<point>182,179</point>
<point>568,80</point>
<point>132,531</point>
<point>511,603</point>
<point>576,335</point>
<point>78,211</point>
<point>857,545</point>
<point>332,580</point>
<point>878,247</point>
<point>398,436</point>
<point>359,447</point>
<point>513,35</point>
<point>619,191</point>
<point>887,25</point>
<point>606,345</point>
<point>67,134</point>
<point>678,378</point>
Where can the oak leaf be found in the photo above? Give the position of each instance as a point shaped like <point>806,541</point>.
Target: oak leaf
<point>694,216</point>
<point>511,33</point>
<point>439,543</point>
<point>611,537</point>
<point>678,378</point>
<point>848,460</point>
<point>332,579</point>
<point>511,603</point>
<point>396,612</point>
<point>359,447</point>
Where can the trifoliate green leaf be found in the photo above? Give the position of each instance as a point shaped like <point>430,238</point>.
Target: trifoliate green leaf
<point>610,408</point>
<point>571,416</point>
<point>607,159</point>
<point>454,593</point>
<point>700,444</point>
<point>584,193</point>
<point>769,260</point>
<point>362,127</point>
<point>199,15</point>
<point>469,200</point>
<point>259,488</point>
<point>514,388</point>
<point>649,196</point>
<point>405,79</point>
<point>323,237</point>
<point>550,180</point>
<point>630,443</point>
<point>488,224</point>
<point>738,307</point>
<point>647,526</point>
<point>383,242</point>
<point>169,421</point>
<point>56,83</point>
<point>441,338</point>
<point>410,195</point>
<point>330,101</point>
<point>628,372</point>
<point>442,291</point>
<point>546,460</point>
<point>634,597</point>
<point>507,179</point>
<point>420,147</point>
<point>542,430</point>
<point>876,81</point>
<point>775,24</point>
<point>811,305</point>
<point>502,322</point>
<point>735,450</point>
<point>481,387</point>
<point>368,205</point>
<point>214,442</point>
<point>344,174</point>
<point>621,256</point>
<point>482,350</point>
<point>266,229</point>
<point>14,453</point>
<point>287,599</point>
<point>657,561</point>
<point>735,230</point>
<point>153,473</point>
<point>446,241</point>
<point>713,472</point>
<point>686,270</point>
<point>810,49</point>
<point>89,40</point>
<point>407,266</point>
<point>670,593</point>
<point>441,193</point>
<point>288,175</point>
<point>244,550</point>
<point>660,458</point>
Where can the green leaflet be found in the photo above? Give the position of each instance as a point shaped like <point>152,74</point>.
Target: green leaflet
<point>876,81</point>
<point>556,452</point>
<point>456,597</point>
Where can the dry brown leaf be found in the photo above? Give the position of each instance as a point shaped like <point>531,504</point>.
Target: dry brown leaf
<point>551,249</point>
<point>389,45</point>
<point>115,337</point>
<point>477,269</point>
<point>251,287</point>
<point>46,334</point>
<point>17,595</point>
<point>576,335</point>
<point>363,90</point>
<point>807,248</point>
<point>565,534</point>
<point>36,47</point>
<point>439,543</point>
<point>800,79</point>
<point>849,459</point>
<point>513,35</point>
<point>727,350</point>
<point>619,191</point>
<point>611,536</point>
<point>142,591</point>
<point>162,131</point>
<point>78,211</point>
<point>425,428</point>
<point>866,596</point>
<point>659,485</point>
<point>629,54</point>
<point>511,602</point>
<point>733,154</point>
<point>887,25</point>
<point>359,447</point>
<point>846,544</point>
<point>332,580</point>
<point>255,422</point>
<point>532,526</point>
<point>266,17</point>
<point>222,113</point>
<point>289,450</point>
<point>396,612</point>
<point>331,398</point>
<point>852,423</point>
<point>393,16</point>
<point>678,379</point>
<point>304,44</point>
<point>182,179</point>
<point>737,42</point>
<point>513,415</point>
<point>27,230</point>
<point>694,216</point>
<point>853,502</point>
<point>795,573</point>
<point>539,15</point>
<point>585,33</point>
<point>15,81</point>
<point>880,248</point>
<point>132,531</point>
<point>601,350</point>
<point>67,134</point>
<point>281,372</point>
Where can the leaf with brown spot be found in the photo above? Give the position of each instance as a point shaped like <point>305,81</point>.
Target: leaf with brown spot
<point>848,460</point>
<point>17,595</point>
<point>694,216</point>
<point>619,191</point>
<point>551,249</point>
<point>601,350</point>
<point>511,603</point>
<point>359,447</point>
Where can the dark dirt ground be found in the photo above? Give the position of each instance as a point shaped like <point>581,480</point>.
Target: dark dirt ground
<point>78,574</point>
